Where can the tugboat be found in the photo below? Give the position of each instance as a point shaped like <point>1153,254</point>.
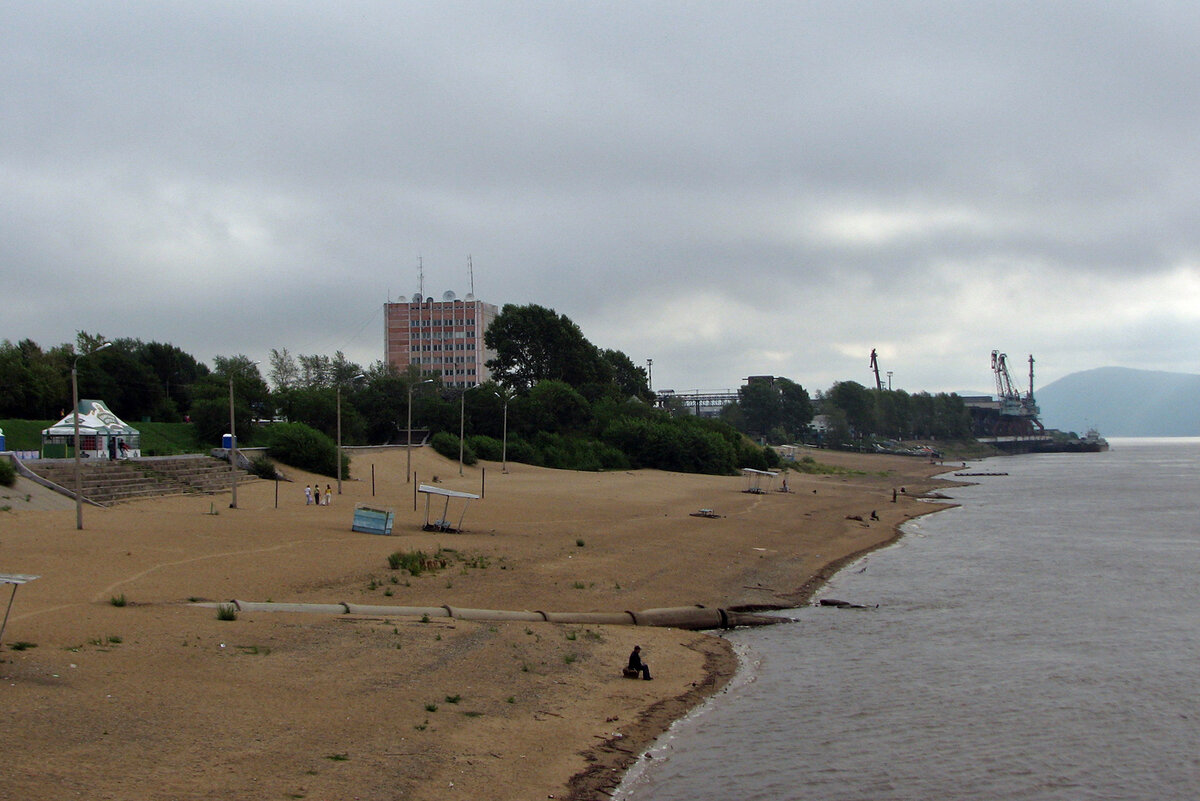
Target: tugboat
<point>1092,441</point>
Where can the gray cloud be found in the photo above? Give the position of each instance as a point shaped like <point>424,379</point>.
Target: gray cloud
<point>728,189</point>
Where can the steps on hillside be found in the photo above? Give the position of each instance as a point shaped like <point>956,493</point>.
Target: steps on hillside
<point>109,482</point>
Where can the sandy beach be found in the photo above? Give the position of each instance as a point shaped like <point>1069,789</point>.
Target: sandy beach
<point>158,699</point>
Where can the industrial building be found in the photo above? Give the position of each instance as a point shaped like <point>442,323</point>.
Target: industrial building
<point>443,338</point>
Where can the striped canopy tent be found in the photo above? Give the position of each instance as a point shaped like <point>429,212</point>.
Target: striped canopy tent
<point>100,434</point>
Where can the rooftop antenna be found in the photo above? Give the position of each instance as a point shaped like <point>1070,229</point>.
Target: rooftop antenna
<point>471,274</point>
<point>421,278</point>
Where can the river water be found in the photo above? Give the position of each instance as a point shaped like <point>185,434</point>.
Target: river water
<point>1042,641</point>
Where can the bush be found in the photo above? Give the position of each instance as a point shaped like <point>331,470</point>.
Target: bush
<point>446,444</point>
<point>488,448</point>
<point>303,447</point>
<point>263,467</point>
<point>8,473</point>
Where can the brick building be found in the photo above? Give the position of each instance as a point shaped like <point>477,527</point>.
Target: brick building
<point>444,338</point>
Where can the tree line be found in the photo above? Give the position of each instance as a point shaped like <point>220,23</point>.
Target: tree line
<point>563,401</point>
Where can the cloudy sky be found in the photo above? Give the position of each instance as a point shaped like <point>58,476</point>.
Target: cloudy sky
<point>725,188</point>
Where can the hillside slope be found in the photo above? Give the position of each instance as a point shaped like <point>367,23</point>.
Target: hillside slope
<point>1123,402</point>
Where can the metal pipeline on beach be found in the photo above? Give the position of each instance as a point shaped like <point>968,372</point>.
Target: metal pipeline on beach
<point>695,618</point>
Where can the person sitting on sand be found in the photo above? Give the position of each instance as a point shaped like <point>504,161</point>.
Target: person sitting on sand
<point>637,665</point>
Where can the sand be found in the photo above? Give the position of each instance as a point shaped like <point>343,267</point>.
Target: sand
<point>158,699</point>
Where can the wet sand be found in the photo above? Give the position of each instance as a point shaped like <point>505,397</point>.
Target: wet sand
<point>159,699</point>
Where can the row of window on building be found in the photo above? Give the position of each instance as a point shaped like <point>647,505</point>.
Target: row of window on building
<point>438,347</point>
<point>419,323</point>
<point>436,360</point>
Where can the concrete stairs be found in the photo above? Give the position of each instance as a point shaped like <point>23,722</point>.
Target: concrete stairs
<point>106,482</point>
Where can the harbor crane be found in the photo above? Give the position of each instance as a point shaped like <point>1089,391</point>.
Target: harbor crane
<point>875,368</point>
<point>1018,413</point>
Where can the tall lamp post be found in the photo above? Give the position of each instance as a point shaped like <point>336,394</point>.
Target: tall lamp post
<point>339,430</point>
<point>75,415</point>
<point>506,397</point>
<point>462,420</point>
<point>408,431</point>
<point>233,465</point>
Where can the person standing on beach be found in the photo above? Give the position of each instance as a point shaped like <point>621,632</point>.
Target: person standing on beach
<point>317,494</point>
<point>637,665</point>
<point>328,494</point>
<point>308,499</point>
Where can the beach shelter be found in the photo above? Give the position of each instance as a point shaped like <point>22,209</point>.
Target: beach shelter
<point>444,523</point>
<point>101,434</point>
<point>756,478</point>
<point>15,579</point>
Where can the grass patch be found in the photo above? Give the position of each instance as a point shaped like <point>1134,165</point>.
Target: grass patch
<point>416,562</point>
<point>810,466</point>
<point>343,757</point>
<point>431,707</point>
<point>570,658</point>
<point>253,650</point>
<point>579,543</point>
<point>21,645</point>
<point>453,699</point>
<point>227,612</point>
<point>118,600</point>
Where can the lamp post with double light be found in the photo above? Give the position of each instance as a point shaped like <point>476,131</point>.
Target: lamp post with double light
<point>75,416</point>
<point>462,420</point>
<point>233,458</point>
<point>506,397</point>
<point>339,430</point>
<point>408,431</point>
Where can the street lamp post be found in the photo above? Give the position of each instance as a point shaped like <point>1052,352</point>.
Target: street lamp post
<point>408,431</point>
<point>462,419</point>
<point>75,415</point>
<point>233,465</point>
<point>339,430</point>
<point>504,440</point>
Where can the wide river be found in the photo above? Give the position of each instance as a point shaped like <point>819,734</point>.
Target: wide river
<point>1041,641</point>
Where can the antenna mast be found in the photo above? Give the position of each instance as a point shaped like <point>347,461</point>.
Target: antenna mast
<point>471,274</point>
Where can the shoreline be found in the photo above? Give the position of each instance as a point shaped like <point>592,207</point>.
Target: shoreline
<point>415,707</point>
<point>610,769</point>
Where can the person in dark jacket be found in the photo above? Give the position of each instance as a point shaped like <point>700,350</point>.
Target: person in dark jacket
<point>637,665</point>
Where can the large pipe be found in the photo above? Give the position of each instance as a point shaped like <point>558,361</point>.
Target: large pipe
<point>681,617</point>
<point>593,618</point>
<point>461,613</point>
<point>695,618</point>
<point>414,611</point>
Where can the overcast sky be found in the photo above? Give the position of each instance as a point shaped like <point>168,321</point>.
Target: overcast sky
<point>728,189</point>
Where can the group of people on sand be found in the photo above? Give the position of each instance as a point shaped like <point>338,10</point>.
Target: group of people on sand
<point>313,496</point>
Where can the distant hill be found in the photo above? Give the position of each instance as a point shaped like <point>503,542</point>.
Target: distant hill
<point>1122,402</point>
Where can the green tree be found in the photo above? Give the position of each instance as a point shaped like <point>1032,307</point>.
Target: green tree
<point>630,380</point>
<point>533,343</point>
<point>210,407</point>
<point>856,402</point>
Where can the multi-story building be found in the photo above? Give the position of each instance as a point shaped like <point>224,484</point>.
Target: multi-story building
<point>443,338</point>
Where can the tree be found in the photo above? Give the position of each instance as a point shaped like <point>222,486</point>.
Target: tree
<point>283,373</point>
<point>210,408</point>
<point>856,403</point>
<point>631,380</point>
<point>778,408</point>
<point>533,343</point>
<point>795,407</point>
